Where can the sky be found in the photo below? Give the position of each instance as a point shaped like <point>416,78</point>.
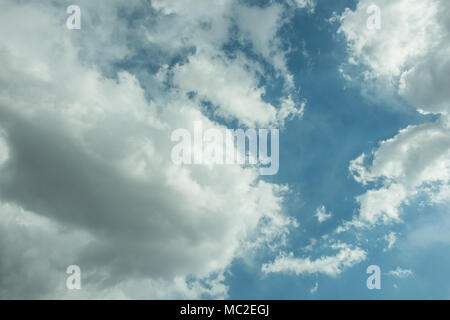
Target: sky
<point>358,90</point>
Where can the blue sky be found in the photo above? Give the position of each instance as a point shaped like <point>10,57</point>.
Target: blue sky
<point>85,120</point>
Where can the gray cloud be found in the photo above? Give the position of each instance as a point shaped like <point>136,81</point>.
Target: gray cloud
<point>88,179</point>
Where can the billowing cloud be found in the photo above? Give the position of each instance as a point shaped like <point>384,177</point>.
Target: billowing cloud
<point>410,53</point>
<point>86,175</point>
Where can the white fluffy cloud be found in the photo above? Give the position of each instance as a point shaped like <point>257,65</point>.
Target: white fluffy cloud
<point>228,85</point>
<point>231,84</point>
<point>89,154</point>
<point>334,265</point>
<point>407,33</point>
<point>411,53</point>
<point>416,161</point>
<point>410,50</point>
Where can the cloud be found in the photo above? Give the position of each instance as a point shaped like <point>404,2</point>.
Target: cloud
<point>4,150</point>
<point>390,238</point>
<point>260,27</point>
<point>227,85</point>
<point>34,257</point>
<point>38,251</point>
<point>404,54</point>
<point>85,149</point>
<point>308,4</point>
<point>328,265</point>
<point>314,289</point>
<point>322,215</point>
<point>408,31</point>
<point>414,162</point>
<point>231,83</point>
<point>401,273</point>
<point>381,204</point>
<point>410,51</point>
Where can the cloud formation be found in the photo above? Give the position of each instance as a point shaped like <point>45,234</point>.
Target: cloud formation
<point>410,53</point>
<point>85,149</point>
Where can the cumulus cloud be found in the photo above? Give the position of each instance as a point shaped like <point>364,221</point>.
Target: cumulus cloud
<point>414,162</point>
<point>407,32</point>
<point>410,50</point>
<point>410,53</point>
<point>230,83</point>
<point>85,151</point>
